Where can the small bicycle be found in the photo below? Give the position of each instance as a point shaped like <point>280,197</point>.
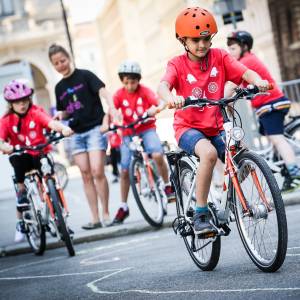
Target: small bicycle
<point>48,209</point>
<point>250,195</point>
<point>147,185</point>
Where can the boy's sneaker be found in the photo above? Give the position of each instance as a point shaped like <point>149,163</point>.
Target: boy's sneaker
<point>201,223</point>
<point>121,215</point>
<point>170,194</point>
<point>290,184</point>
<point>20,232</point>
<point>22,201</point>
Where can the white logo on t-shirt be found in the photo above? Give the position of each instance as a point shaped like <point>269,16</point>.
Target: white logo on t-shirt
<point>140,101</point>
<point>213,72</point>
<point>31,124</point>
<point>125,102</point>
<point>190,78</point>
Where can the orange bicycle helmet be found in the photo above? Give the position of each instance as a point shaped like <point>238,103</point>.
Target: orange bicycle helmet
<point>195,22</point>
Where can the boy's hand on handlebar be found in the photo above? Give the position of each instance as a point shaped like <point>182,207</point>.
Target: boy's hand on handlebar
<point>263,85</point>
<point>152,111</point>
<point>176,102</point>
<point>6,148</point>
<point>67,131</point>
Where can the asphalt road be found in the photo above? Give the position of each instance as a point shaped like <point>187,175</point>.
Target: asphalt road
<point>153,265</point>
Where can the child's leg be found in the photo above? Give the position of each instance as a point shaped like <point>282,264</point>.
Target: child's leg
<point>208,158</point>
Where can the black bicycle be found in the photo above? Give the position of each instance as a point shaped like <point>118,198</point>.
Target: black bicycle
<point>48,209</point>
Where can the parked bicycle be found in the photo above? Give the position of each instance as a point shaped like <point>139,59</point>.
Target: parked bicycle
<point>48,209</point>
<point>146,183</point>
<point>250,193</point>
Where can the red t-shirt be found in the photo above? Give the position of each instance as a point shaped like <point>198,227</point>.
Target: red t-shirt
<point>186,77</point>
<point>253,63</point>
<point>133,105</point>
<point>31,129</point>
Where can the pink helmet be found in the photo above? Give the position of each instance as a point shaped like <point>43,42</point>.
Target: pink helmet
<point>16,90</point>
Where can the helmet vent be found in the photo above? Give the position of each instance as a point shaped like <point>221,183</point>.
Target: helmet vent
<point>194,15</point>
<point>207,25</point>
<point>186,13</point>
<point>197,27</point>
<point>203,14</point>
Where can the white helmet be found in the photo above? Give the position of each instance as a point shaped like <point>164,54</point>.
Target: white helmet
<point>130,66</point>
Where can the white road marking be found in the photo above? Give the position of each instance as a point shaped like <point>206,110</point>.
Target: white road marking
<point>62,275</point>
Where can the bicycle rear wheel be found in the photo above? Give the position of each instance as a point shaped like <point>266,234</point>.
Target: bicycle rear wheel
<point>60,220</point>
<point>35,231</point>
<point>204,252</point>
<point>147,198</point>
<point>264,230</point>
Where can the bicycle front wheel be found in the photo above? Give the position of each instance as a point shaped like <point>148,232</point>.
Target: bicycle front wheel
<point>263,229</point>
<point>62,174</point>
<point>59,219</point>
<point>147,195</point>
<point>204,252</point>
<point>35,231</point>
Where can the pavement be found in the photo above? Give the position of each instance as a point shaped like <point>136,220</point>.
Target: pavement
<point>80,215</point>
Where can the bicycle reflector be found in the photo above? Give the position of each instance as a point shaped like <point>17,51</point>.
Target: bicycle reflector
<point>237,133</point>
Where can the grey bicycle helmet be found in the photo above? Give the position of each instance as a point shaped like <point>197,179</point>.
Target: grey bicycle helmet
<point>130,67</point>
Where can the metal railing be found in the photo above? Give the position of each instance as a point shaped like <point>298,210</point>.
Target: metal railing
<point>291,89</point>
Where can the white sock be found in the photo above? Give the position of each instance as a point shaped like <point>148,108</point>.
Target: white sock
<point>124,205</point>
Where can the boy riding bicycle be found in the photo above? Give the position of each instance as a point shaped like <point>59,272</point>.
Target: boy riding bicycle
<point>201,72</point>
<point>23,125</point>
<point>133,100</point>
<point>271,109</point>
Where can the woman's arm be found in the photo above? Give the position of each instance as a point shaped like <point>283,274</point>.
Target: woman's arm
<point>104,93</point>
<point>5,147</point>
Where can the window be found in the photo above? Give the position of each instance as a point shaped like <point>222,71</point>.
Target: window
<point>6,8</point>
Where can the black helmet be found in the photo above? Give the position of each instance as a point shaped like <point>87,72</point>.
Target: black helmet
<point>242,37</point>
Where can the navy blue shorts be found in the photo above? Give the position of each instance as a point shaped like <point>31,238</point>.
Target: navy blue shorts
<point>190,138</point>
<point>272,122</point>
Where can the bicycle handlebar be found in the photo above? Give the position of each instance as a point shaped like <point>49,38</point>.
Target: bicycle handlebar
<point>53,137</point>
<point>249,93</point>
<point>140,119</point>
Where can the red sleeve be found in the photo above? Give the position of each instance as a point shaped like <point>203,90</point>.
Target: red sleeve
<point>151,97</point>
<point>171,75</point>
<point>42,117</point>
<point>116,99</point>
<point>234,69</point>
<point>3,130</point>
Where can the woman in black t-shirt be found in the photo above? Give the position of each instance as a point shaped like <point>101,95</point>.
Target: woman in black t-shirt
<point>78,98</point>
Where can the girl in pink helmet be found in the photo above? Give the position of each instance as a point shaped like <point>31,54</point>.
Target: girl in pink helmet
<point>23,125</point>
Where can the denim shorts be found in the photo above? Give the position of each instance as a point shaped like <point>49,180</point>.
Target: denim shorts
<point>151,143</point>
<point>190,138</point>
<point>88,141</point>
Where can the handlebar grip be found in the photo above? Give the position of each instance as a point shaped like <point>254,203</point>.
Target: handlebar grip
<point>271,86</point>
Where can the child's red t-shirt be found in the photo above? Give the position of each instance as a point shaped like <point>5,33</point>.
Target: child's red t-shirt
<point>253,63</point>
<point>186,77</point>
<point>31,128</point>
<point>133,105</point>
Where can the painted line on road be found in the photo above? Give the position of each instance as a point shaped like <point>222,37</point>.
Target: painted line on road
<point>63,275</point>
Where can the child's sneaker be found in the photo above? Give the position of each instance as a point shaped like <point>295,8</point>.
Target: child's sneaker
<point>170,193</point>
<point>201,223</point>
<point>290,184</point>
<point>121,215</point>
<point>20,232</point>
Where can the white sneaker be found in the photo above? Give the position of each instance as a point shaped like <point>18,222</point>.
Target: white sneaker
<point>19,236</point>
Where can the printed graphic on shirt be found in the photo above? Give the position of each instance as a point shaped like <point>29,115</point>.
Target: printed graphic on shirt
<point>139,101</point>
<point>213,72</point>
<point>197,92</point>
<point>73,103</point>
<point>32,134</point>
<point>212,87</point>
<point>15,129</point>
<point>128,112</point>
<point>140,110</point>
<point>125,102</point>
<point>191,79</point>
<point>31,124</point>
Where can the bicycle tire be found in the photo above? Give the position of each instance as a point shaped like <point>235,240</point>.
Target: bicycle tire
<point>39,232</point>
<point>61,224</point>
<point>62,174</point>
<point>157,220</point>
<point>272,260</point>
<point>212,250</point>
